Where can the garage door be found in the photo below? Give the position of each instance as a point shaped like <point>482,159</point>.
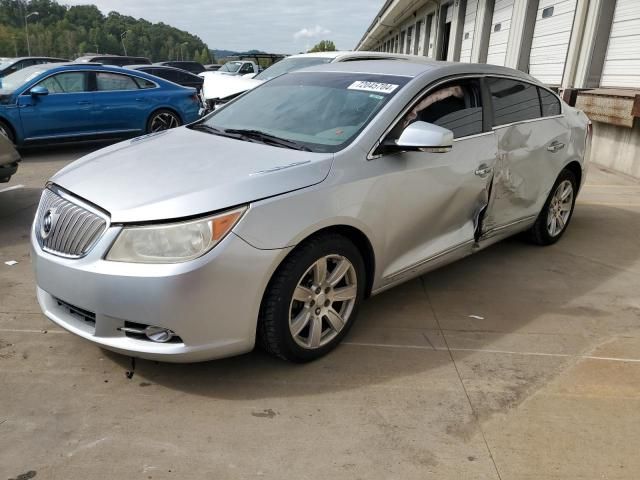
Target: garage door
<point>622,61</point>
<point>499,36</point>
<point>468,30</point>
<point>551,35</point>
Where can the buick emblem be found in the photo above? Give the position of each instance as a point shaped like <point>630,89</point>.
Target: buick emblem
<point>49,222</point>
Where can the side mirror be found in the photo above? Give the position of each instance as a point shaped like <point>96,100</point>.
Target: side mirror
<point>39,91</point>
<point>423,137</point>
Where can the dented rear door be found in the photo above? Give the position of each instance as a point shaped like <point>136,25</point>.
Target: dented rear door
<point>532,147</point>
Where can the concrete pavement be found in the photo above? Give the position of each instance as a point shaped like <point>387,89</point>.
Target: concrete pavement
<point>517,363</point>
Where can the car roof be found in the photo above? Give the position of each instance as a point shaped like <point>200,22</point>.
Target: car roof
<point>341,55</point>
<point>159,65</point>
<point>17,59</point>
<point>415,66</point>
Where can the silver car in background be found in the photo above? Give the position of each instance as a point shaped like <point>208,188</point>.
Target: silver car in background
<point>273,218</point>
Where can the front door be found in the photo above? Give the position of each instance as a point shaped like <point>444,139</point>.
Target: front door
<point>64,112</point>
<point>434,200</point>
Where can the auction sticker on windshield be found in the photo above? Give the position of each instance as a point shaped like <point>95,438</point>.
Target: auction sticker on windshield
<point>373,87</point>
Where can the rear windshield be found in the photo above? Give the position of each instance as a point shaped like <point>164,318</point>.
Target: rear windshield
<point>289,65</point>
<point>322,111</point>
<point>231,67</point>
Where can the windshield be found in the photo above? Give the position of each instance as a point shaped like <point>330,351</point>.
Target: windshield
<point>290,64</point>
<point>5,62</point>
<point>19,78</point>
<point>232,67</point>
<point>322,111</point>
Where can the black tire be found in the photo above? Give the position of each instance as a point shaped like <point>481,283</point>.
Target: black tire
<point>7,131</point>
<point>274,333</point>
<point>539,233</point>
<point>167,117</point>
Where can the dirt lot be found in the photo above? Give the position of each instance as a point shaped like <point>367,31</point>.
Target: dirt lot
<point>517,363</point>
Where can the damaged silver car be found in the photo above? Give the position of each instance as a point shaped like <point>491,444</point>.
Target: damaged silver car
<point>273,218</point>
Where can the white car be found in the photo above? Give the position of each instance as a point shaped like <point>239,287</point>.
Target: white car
<point>219,89</point>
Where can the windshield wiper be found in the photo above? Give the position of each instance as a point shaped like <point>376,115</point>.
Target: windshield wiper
<point>267,138</point>
<point>203,127</point>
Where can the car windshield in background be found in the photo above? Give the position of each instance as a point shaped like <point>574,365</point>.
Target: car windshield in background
<point>320,112</point>
<point>19,78</point>
<point>232,67</point>
<point>5,62</point>
<point>289,65</point>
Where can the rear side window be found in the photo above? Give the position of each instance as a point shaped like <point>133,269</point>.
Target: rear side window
<point>106,81</point>
<point>144,83</point>
<point>456,106</point>
<point>550,103</point>
<point>513,101</point>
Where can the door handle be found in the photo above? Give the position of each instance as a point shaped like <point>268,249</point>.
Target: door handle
<point>555,146</point>
<point>83,102</point>
<point>483,170</point>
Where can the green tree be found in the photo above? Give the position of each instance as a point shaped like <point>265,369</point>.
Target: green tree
<point>323,46</point>
<point>70,31</point>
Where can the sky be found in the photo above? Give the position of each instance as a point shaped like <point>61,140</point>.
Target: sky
<point>275,26</point>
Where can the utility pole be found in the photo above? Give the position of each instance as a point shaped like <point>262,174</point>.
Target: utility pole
<point>123,35</point>
<point>26,29</point>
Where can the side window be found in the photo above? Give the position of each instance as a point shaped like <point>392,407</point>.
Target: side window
<point>69,82</point>
<point>456,106</point>
<point>550,103</point>
<point>171,75</point>
<point>107,81</point>
<point>144,83</point>
<point>185,77</point>
<point>246,68</point>
<point>513,101</point>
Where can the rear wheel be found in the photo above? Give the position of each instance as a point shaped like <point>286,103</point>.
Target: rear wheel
<point>6,130</point>
<point>313,299</point>
<point>557,211</point>
<point>162,120</point>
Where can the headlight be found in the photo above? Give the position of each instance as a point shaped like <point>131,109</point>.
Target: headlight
<point>173,242</point>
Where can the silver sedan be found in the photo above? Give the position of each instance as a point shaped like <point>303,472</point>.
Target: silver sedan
<point>273,218</point>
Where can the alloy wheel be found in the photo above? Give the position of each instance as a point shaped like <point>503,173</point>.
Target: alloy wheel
<point>323,301</point>
<point>164,121</point>
<point>4,131</point>
<point>560,208</point>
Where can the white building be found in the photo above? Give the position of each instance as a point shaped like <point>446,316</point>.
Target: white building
<point>588,49</point>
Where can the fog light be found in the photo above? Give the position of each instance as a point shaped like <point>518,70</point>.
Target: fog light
<point>158,334</point>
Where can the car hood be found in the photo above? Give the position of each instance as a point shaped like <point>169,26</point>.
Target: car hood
<point>183,172</point>
<point>222,86</point>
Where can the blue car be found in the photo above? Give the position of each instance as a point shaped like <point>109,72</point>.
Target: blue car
<point>67,102</point>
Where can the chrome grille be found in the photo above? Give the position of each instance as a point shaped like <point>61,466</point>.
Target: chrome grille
<point>67,226</point>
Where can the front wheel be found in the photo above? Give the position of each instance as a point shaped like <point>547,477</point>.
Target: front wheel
<point>313,299</point>
<point>557,211</point>
<point>162,120</point>
<point>7,132</point>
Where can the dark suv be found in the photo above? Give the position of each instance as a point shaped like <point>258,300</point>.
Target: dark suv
<point>193,67</point>
<point>117,60</point>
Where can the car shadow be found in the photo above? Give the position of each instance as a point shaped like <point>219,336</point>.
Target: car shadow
<point>510,285</point>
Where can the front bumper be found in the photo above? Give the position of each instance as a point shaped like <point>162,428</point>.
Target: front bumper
<point>7,171</point>
<point>211,303</point>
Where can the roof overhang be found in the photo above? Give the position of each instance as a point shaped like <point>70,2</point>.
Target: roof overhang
<point>390,16</point>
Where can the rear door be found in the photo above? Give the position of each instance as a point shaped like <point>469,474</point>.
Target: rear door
<point>533,141</point>
<point>120,105</point>
<point>64,112</point>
